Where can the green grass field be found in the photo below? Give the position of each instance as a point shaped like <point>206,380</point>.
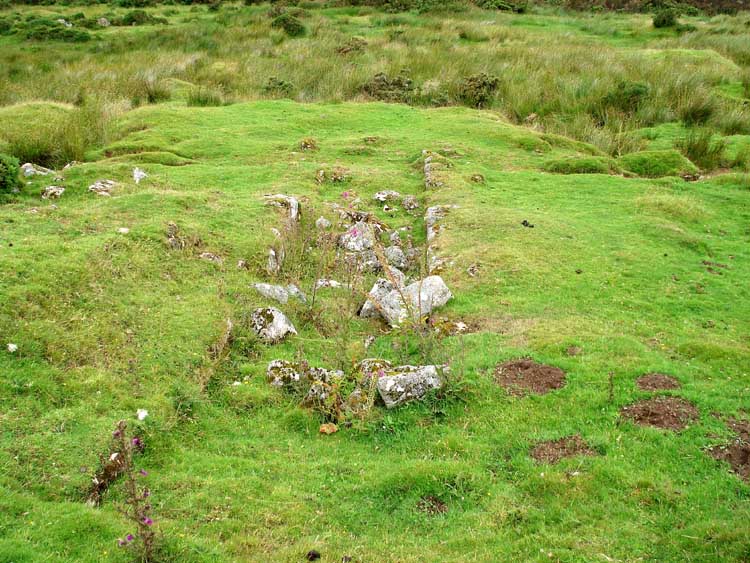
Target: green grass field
<point>638,269</point>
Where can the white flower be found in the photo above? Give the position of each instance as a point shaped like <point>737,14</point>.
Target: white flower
<point>236,383</point>
<point>141,414</point>
<point>113,456</point>
<point>12,347</point>
<point>123,230</point>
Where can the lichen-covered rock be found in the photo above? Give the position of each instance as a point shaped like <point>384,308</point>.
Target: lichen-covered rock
<point>386,195</point>
<point>279,293</point>
<point>29,169</point>
<point>52,192</point>
<point>432,219</point>
<point>395,257</point>
<point>379,291</point>
<point>410,202</point>
<point>417,300</point>
<point>285,201</point>
<point>283,373</point>
<point>358,238</point>
<point>275,259</point>
<point>324,282</point>
<point>102,187</point>
<point>271,325</point>
<point>403,384</point>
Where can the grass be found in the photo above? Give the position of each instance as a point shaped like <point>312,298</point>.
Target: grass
<point>618,265</point>
<point>107,323</point>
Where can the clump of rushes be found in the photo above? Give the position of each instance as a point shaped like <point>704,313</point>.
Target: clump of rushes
<point>137,505</point>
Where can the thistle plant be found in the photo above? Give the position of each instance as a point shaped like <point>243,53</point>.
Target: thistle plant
<point>137,504</point>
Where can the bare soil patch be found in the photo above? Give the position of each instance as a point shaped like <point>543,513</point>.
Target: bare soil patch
<point>672,413</point>
<point>432,505</point>
<point>737,452</point>
<point>554,450</point>
<point>657,382</point>
<point>521,377</point>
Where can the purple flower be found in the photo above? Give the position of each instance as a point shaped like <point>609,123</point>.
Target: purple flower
<point>354,232</point>
<point>136,441</point>
<point>345,195</point>
<point>146,493</point>
<point>122,543</point>
<point>130,537</point>
<point>116,434</point>
<point>143,472</point>
<point>381,373</point>
<point>146,520</point>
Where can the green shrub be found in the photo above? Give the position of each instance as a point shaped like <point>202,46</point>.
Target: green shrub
<point>138,17</point>
<point>46,29</point>
<point>665,18</point>
<point>291,25</point>
<point>135,3</point>
<point>703,149</point>
<point>395,89</point>
<point>582,165</point>
<point>517,6</point>
<point>655,164</point>
<point>6,26</point>
<point>478,90</point>
<point>9,171</point>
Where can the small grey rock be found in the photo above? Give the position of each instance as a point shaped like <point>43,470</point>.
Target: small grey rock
<point>271,325</point>
<point>395,257</point>
<point>409,383</point>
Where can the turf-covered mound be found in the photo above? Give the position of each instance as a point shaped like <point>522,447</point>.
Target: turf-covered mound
<point>582,165</point>
<point>658,163</point>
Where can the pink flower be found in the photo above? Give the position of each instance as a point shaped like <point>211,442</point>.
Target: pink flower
<point>130,537</point>
<point>146,520</point>
<point>143,472</point>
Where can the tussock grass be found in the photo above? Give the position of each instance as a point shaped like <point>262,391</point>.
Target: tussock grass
<point>571,88</point>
